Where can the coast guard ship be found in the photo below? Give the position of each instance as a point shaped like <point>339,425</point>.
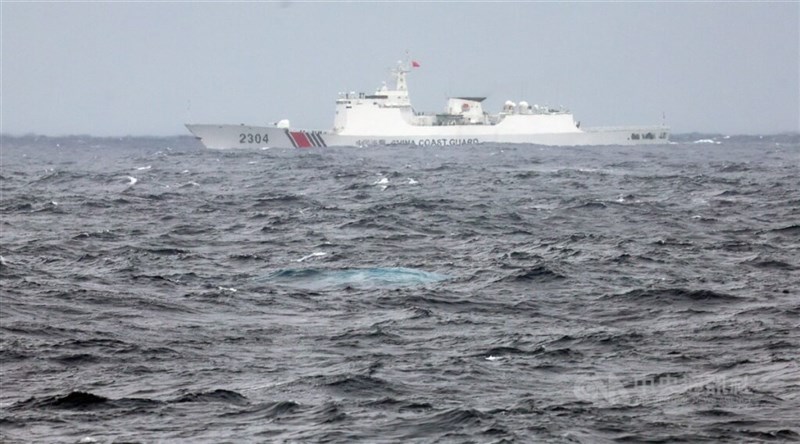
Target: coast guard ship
<point>386,117</point>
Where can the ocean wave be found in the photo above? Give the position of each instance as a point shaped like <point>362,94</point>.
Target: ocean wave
<point>82,401</point>
<point>218,395</point>
<point>455,309</point>
<point>380,277</point>
<point>540,273</point>
<point>768,263</point>
<point>267,411</point>
<point>673,295</point>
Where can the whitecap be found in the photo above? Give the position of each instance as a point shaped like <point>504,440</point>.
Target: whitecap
<point>144,168</point>
<point>383,181</point>
<point>132,180</point>
<point>314,254</point>
<point>412,181</point>
<point>364,278</point>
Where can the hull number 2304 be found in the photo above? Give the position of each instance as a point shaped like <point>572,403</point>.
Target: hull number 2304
<point>253,138</point>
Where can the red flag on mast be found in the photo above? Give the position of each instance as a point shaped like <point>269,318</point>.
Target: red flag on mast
<point>414,64</point>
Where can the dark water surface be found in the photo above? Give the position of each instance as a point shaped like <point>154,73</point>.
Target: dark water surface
<point>156,292</point>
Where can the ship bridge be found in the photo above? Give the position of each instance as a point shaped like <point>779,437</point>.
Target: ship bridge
<point>382,108</point>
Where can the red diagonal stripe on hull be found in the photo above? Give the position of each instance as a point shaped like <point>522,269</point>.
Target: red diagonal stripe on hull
<point>301,139</point>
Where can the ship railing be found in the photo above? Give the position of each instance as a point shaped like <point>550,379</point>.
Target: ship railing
<point>595,129</point>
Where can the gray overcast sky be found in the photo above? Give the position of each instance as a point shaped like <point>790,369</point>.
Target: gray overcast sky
<point>119,68</point>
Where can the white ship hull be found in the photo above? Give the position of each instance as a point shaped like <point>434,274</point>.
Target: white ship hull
<point>253,137</point>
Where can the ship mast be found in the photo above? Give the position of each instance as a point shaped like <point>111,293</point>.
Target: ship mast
<point>398,97</point>
<point>399,74</point>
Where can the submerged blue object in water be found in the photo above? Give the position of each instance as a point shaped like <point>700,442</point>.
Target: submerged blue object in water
<point>381,277</point>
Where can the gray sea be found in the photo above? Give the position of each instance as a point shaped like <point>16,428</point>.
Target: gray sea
<point>154,291</point>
